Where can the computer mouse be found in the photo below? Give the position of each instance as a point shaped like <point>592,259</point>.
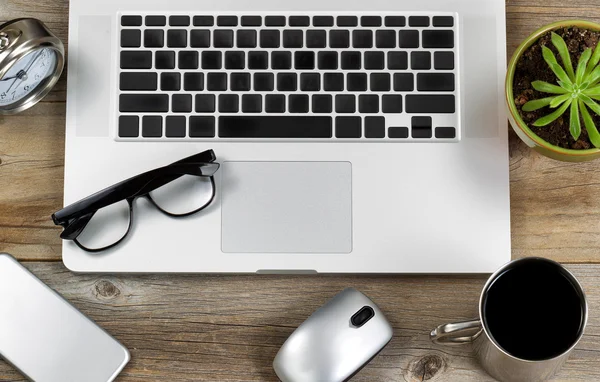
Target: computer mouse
<point>335,342</point>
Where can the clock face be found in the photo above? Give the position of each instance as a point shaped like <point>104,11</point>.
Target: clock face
<point>25,76</point>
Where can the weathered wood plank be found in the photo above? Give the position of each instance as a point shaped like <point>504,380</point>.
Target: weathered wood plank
<point>229,328</point>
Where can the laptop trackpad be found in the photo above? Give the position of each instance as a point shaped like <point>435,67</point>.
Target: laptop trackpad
<point>286,207</point>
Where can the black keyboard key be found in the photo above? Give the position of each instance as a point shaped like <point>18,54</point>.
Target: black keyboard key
<point>179,21</point>
<point>443,60</point>
<point>235,60</point>
<point>229,103</point>
<point>345,103</point>
<point>164,60</point>
<point>181,103</point>
<point>205,103</point>
<point>175,127</point>
<point>348,127</point>
<point>264,82</point>
<point>421,127</point>
<point>270,38</point>
<point>374,60</point>
<point>223,38</point>
<point>239,82</point>
<point>351,60</point>
<point>310,82</point>
<point>287,82</point>
<point>251,103</point>
<point>216,82</point>
<point>316,38</point>
<point>275,127</point>
<point>420,60</point>
<point>131,38</point>
<point>275,103</point>
<point>275,21</point>
<point>370,21</point>
<point>362,38</point>
<point>408,39</point>
<point>246,38</point>
<point>193,81</point>
<point>333,82</point>
<point>304,60</point>
<point>443,21</point>
<point>391,103</point>
<point>204,21</point>
<point>251,21</point>
<point>156,21</point>
<point>445,132</point>
<point>339,39</point>
<point>136,59</point>
<point>298,103</point>
<point>438,39</point>
<point>431,82</point>
<point>380,82</point>
<point>347,21</point>
<point>385,39</point>
<point>356,82</point>
<point>200,38</point>
<point>321,103</point>
<point>418,21</point>
<point>152,127</point>
<point>328,60</point>
<point>293,38</point>
<point>299,21</point>
<point>138,81</point>
<point>420,103</point>
<point>177,38</point>
<point>281,60</point>
<point>398,132</point>
<point>374,127</point>
<point>150,103</point>
<point>202,127</point>
<point>211,60</point>
<point>154,38</point>
<point>170,81</point>
<point>323,21</point>
<point>395,21</point>
<point>129,126</point>
<point>368,103</point>
<point>397,60</point>
<point>131,21</point>
<point>258,60</point>
<point>227,21</point>
<point>404,82</point>
<point>188,59</point>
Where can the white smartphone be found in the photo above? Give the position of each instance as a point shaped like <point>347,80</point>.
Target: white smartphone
<point>46,338</point>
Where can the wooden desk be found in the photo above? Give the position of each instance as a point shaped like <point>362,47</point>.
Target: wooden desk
<point>228,328</point>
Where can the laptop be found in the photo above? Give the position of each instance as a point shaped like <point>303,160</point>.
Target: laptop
<point>353,137</point>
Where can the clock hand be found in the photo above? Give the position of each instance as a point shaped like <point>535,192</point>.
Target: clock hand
<point>24,72</point>
<point>8,78</point>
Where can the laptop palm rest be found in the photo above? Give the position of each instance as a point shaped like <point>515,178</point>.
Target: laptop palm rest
<point>286,207</point>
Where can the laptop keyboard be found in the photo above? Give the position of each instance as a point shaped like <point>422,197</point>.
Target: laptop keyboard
<point>315,77</point>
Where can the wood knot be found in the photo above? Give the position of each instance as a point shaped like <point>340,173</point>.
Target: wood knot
<point>107,290</point>
<point>426,368</point>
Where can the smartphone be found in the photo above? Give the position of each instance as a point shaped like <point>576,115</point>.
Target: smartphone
<point>46,338</point>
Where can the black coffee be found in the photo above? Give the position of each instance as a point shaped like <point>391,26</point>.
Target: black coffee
<point>533,311</point>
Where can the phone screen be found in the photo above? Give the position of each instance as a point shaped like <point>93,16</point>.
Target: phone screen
<point>46,338</point>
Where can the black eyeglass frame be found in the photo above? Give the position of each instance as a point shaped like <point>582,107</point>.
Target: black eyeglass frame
<point>75,217</point>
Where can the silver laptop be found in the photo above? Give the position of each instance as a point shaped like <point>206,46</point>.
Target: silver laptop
<point>353,137</point>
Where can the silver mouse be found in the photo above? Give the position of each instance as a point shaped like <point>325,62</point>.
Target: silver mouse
<point>335,342</point>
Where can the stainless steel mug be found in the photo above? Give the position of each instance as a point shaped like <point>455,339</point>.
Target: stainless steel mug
<point>498,362</point>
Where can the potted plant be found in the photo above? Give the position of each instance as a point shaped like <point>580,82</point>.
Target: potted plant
<point>552,89</point>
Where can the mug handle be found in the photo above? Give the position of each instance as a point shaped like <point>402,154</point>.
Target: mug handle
<point>454,334</point>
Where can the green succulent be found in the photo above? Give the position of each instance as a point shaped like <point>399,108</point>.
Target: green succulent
<point>577,89</point>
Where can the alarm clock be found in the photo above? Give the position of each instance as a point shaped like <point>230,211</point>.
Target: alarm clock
<point>31,62</point>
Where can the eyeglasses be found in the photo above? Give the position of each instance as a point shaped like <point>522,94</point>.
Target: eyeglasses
<point>103,220</point>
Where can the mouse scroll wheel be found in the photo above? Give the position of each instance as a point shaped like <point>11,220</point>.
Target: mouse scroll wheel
<point>362,316</point>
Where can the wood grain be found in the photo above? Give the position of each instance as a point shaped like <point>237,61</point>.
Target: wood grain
<point>229,328</point>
